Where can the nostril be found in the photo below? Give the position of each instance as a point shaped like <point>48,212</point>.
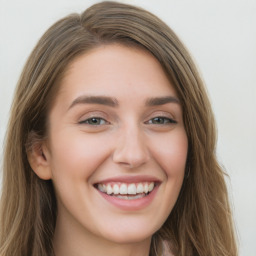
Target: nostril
<point>127,165</point>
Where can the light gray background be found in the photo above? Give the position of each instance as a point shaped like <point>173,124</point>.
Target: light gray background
<point>220,34</point>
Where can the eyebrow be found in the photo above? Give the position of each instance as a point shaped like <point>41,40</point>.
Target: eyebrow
<point>157,101</point>
<point>112,102</point>
<point>102,100</point>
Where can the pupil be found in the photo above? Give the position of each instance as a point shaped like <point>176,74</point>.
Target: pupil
<point>158,120</point>
<point>94,120</point>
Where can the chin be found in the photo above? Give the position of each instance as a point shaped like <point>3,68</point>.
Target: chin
<point>129,238</point>
<point>136,234</point>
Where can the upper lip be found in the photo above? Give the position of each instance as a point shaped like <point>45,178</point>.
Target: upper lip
<point>130,179</point>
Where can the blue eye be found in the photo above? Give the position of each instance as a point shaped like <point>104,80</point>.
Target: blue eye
<point>161,120</point>
<point>94,121</point>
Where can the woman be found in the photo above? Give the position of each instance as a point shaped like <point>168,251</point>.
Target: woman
<point>114,145</point>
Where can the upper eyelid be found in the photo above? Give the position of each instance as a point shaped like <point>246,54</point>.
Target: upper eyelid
<point>164,114</point>
<point>93,114</point>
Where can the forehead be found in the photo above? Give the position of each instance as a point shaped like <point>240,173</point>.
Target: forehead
<point>114,70</point>
<point>115,63</point>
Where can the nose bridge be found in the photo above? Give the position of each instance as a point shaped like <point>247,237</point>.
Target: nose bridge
<point>131,147</point>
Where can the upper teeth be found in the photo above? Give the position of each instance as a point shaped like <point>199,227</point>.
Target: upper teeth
<point>124,188</point>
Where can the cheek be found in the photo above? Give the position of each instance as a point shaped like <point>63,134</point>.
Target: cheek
<point>77,154</point>
<point>75,157</point>
<point>171,153</point>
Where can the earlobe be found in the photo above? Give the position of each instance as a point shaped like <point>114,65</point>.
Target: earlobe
<point>39,160</point>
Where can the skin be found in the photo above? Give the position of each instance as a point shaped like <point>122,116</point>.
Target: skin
<point>127,139</point>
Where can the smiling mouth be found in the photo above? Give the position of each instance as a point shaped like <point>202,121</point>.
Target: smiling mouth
<point>126,191</point>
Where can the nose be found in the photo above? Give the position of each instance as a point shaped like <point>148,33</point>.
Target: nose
<point>131,149</point>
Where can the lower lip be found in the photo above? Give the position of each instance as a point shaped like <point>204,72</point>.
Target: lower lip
<point>131,204</point>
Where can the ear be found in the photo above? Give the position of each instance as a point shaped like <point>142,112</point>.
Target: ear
<point>39,160</point>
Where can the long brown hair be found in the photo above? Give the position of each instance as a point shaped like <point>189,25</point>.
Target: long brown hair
<point>199,224</point>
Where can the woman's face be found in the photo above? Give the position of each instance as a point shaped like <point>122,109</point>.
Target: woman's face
<point>117,146</point>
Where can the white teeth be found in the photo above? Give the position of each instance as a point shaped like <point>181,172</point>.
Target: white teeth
<point>146,187</point>
<point>116,189</point>
<point>151,186</point>
<point>140,188</point>
<point>109,189</point>
<point>123,189</point>
<point>126,189</point>
<point>101,187</point>
<point>131,189</point>
<point>131,197</point>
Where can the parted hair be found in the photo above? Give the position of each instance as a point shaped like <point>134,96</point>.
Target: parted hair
<point>200,223</point>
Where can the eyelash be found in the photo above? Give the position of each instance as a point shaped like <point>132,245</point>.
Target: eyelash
<point>163,121</point>
<point>93,119</point>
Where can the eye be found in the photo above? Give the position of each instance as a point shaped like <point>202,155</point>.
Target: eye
<point>159,120</point>
<point>94,121</point>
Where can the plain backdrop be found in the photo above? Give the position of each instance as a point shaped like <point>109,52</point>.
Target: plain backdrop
<point>220,34</point>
